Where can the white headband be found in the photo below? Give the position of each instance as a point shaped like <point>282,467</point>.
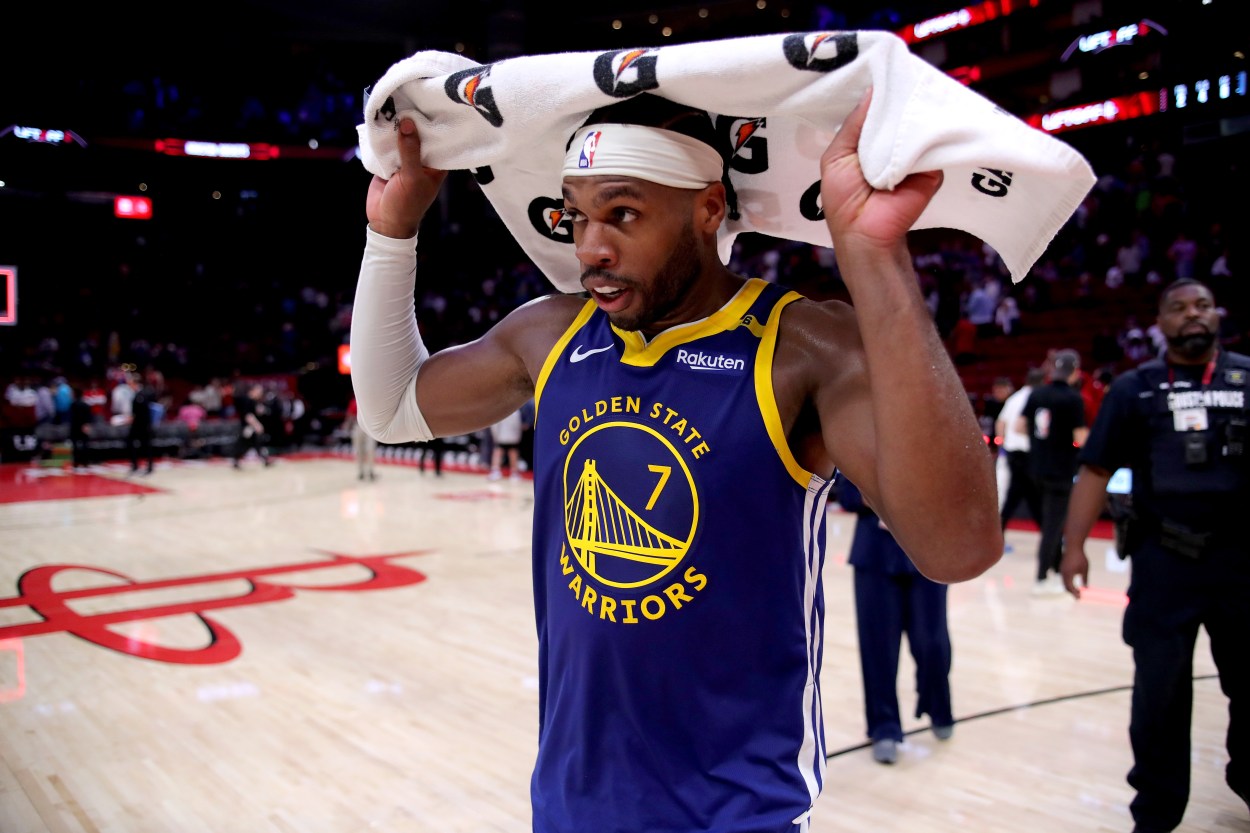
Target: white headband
<point>650,153</point>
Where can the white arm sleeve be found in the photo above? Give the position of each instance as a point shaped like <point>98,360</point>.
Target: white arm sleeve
<point>386,347</point>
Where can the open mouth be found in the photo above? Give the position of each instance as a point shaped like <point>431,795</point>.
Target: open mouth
<point>611,298</point>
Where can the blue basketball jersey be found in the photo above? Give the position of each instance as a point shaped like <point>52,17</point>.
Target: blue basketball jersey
<point>678,548</point>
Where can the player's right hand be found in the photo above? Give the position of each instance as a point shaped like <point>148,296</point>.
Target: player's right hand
<point>396,206</point>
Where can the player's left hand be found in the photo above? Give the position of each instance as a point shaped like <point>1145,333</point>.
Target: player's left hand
<point>853,208</point>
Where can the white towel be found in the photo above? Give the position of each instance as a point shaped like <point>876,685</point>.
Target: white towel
<point>780,98</point>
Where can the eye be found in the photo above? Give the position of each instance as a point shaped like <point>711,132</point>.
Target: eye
<point>573,215</point>
<point>624,215</point>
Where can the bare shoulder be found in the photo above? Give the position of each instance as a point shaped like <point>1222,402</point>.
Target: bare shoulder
<point>547,313</point>
<point>821,337</point>
<point>532,329</point>
<point>820,382</point>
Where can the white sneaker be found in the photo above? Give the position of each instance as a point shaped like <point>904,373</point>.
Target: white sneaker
<point>495,474</point>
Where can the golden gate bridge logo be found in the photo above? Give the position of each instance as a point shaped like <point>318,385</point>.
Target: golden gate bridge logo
<point>613,540</point>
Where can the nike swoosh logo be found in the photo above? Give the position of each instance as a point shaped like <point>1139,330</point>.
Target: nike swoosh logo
<point>578,355</point>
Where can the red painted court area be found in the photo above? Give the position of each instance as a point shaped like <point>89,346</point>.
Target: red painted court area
<point>23,483</point>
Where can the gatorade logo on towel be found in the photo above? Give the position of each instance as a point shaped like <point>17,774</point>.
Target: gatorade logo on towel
<point>587,157</point>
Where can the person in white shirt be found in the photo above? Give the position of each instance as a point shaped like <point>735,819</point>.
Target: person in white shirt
<point>1015,447</point>
<point>121,399</point>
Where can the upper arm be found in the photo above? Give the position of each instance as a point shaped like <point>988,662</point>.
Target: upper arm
<point>471,386</point>
<point>821,381</point>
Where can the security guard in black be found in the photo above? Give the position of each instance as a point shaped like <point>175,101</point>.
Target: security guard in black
<point>1179,423</point>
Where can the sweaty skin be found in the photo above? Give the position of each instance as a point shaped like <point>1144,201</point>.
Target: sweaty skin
<point>866,388</point>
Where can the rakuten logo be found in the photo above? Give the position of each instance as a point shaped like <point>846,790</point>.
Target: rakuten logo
<point>711,361</point>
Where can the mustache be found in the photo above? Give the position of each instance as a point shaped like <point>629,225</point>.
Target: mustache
<point>595,272</point>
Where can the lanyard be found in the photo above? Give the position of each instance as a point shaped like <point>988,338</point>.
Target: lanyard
<point>1206,374</point>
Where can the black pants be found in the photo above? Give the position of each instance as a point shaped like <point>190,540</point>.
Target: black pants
<point>433,449</point>
<point>249,440</point>
<point>139,444</point>
<point>888,606</point>
<point>1170,597</point>
<point>1055,494</point>
<point>1020,487</point>
<point>81,452</point>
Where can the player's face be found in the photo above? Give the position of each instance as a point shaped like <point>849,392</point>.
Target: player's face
<point>638,249</point>
<point>1190,320</point>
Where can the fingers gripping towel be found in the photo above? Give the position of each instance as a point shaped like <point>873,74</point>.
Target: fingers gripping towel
<point>778,98</point>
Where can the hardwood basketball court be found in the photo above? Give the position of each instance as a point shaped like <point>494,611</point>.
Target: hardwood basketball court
<point>291,650</point>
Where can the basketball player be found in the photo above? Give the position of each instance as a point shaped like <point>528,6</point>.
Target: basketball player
<point>690,422</point>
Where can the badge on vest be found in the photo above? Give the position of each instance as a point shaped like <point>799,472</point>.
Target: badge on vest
<point>1190,419</point>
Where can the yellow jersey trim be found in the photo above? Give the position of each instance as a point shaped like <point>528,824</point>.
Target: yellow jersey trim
<point>587,310</point>
<point>639,353</point>
<point>766,397</point>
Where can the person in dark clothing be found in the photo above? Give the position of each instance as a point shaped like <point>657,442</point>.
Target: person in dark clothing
<point>1179,425</point>
<point>432,449</point>
<point>1054,417</point>
<point>252,412</point>
<point>893,598</point>
<point>80,421</point>
<point>139,438</point>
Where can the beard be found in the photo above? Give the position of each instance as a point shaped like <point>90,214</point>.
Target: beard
<point>669,289</point>
<point>1191,345</point>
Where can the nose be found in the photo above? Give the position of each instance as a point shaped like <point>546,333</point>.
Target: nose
<point>594,249</point>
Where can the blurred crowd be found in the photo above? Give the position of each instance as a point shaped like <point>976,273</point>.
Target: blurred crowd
<point>1138,229</point>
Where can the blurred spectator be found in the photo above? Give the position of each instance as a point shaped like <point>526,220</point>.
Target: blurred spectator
<point>81,422</point>
<point>1054,417</point>
<point>1019,481</point>
<point>21,393</point>
<point>1007,315</point>
<point>506,435</point>
<point>980,309</point>
<point>62,398</point>
<point>140,419</point>
<point>252,412</point>
<point>120,399</point>
<point>192,414</point>
<point>1183,253</point>
<point>1158,341</point>
<point>97,399</point>
<point>963,341</point>
<point>45,407</point>
<point>364,446</point>
<point>1093,389</point>
<point>893,598</point>
<point>1000,390</point>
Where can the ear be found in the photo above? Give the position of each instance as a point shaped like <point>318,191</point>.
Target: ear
<point>710,206</point>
